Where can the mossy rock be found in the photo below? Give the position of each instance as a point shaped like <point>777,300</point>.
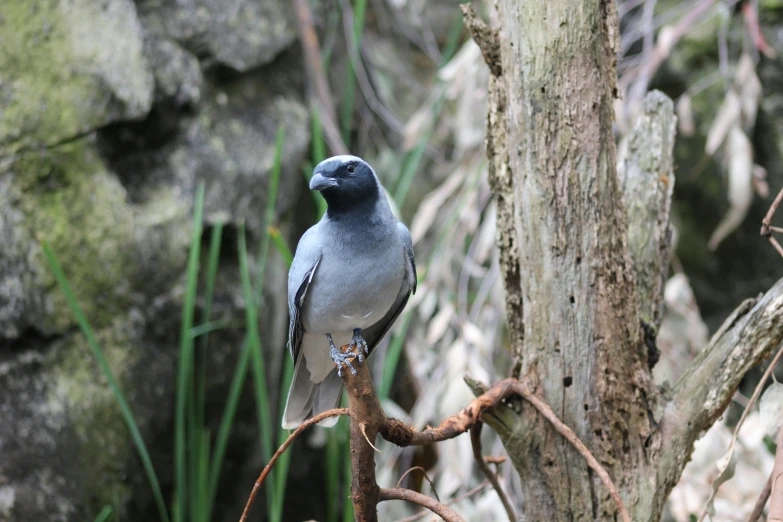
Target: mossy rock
<point>67,68</point>
<point>69,450</point>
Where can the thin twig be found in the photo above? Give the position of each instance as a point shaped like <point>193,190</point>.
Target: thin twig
<point>433,505</point>
<point>766,228</point>
<point>758,509</point>
<point>423,472</point>
<point>363,426</point>
<point>298,431</point>
<point>765,231</point>
<point>316,77</point>
<point>424,513</point>
<point>475,441</point>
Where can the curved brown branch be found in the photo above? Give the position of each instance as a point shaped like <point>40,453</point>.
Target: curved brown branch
<point>469,493</point>
<point>758,508</point>
<point>475,441</point>
<point>368,420</point>
<point>423,472</point>
<point>544,409</point>
<point>298,431</point>
<point>417,498</point>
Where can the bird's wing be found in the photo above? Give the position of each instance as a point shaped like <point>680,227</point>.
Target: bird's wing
<point>375,333</point>
<point>410,266</point>
<point>308,254</point>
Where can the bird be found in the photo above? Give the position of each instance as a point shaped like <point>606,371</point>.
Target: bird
<point>350,279</point>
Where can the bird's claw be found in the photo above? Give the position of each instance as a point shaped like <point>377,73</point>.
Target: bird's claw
<point>340,358</point>
<point>358,342</point>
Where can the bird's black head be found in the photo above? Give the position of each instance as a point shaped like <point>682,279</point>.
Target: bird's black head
<point>347,183</point>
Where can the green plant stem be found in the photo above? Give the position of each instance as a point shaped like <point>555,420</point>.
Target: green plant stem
<point>186,361</point>
<point>119,396</point>
<point>266,430</point>
<point>346,114</point>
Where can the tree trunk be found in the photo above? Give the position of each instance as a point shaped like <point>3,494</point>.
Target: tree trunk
<point>582,323</point>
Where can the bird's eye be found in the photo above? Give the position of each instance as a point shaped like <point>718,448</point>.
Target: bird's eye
<point>350,169</point>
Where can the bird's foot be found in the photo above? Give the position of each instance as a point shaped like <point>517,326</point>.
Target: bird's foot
<point>358,342</point>
<point>340,358</point>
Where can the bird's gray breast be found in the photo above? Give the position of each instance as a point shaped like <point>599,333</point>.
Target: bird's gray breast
<point>357,281</point>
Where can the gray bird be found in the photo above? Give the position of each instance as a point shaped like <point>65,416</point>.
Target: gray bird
<point>351,277</point>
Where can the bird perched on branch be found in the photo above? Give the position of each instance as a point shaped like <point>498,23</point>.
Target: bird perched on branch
<point>351,277</point>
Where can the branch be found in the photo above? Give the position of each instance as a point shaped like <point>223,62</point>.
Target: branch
<point>475,441</point>
<point>485,37</point>
<point>306,424</point>
<point>422,514</point>
<point>417,498</point>
<point>758,508</point>
<point>766,229</point>
<point>647,179</point>
<point>705,389</point>
<point>316,77</point>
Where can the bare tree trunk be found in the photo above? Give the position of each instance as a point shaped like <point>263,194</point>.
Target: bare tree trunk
<point>582,325</point>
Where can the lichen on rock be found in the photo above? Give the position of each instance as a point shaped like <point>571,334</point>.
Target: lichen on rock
<point>67,68</point>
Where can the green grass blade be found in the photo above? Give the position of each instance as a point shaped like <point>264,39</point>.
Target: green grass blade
<point>212,326</point>
<point>346,113</point>
<point>281,245</point>
<point>202,482</point>
<point>269,214</point>
<point>319,154</point>
<point>413,158</point>
<point>332,469</point>
<point>216,236</point>
<point>393,357</point>
<point>229,412</point>
<point>104,514</point>
<point>119,396</point>
<point>285,460</point>
<point>184,370</point>
<point>266,430</point>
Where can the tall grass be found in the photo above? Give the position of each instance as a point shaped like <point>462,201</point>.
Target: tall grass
<point>104,515</point>
<point>119,396</point>
<point>197,461</point>
<point>347,108</point>
<point>186,361</point>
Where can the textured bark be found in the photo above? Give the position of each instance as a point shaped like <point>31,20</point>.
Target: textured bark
<point>583,349</point>
<point>584,272</point>
<point>647,178</point>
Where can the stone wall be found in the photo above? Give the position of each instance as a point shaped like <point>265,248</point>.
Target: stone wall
<point>110,113</point>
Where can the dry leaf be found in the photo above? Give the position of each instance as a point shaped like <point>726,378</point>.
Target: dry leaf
<point>685,116</point>
<point>439,324</point>
<point>739,154</point>
<point>771,408</point>
<point>726,467</point>
<point>748,85</point>
<point>432,203</point>
<point>727,117</point>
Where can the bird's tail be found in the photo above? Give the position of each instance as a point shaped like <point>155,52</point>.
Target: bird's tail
<point>307,398</point>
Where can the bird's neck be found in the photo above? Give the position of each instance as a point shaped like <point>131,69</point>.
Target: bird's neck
<point>368,205</point>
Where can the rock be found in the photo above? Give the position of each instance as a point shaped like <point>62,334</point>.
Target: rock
<point>68,68</point>
<point>242,34</point>
<point>177,72</point>
<point>67,451</point>
<point>229,143</point>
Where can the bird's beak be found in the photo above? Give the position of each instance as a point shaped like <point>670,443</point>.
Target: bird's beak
<point>321,182</point>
